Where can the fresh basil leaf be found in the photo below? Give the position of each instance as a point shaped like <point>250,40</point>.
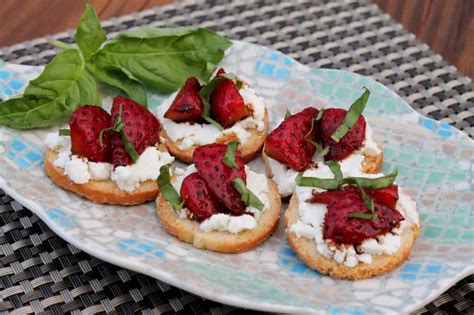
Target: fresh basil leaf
<point>167,189</point>
<point>64,132</point>
<point>352,116</point>
<point>116,78</point>
<point>238,84</point>
<point>335,169</point>
<point>163,58</point>
<point>287,114</point>
<point>61,88</point>
<point>246,195</point>
<point>323,183</point>
<point>89,33</point>
<point>129,146</point>
<point>229,158</point>
<point>373,183</point>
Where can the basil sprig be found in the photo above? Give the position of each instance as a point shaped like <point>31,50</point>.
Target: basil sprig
<point>369,204</point>
<point>206,92</point>
<point>229,157</point>
<point>332,183</point>
<point>246,195</point>
<point>157,58</point>
<point>119,128</point>
<point>167,189</point>
<point>352,116</point>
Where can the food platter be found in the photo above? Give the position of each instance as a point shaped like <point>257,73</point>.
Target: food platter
<point>434,161</point>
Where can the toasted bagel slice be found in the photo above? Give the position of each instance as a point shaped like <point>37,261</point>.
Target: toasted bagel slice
<point>104,191</point>
<point>370,165</point>
<point>189,231</point>
<point>307,251</point>
<point>250,149</point>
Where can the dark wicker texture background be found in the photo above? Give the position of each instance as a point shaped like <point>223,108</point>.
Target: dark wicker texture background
<point>41,273</point>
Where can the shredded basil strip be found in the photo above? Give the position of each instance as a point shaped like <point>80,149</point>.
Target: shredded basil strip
<point>238,84</point>
<point>352,116</point>
<point>320,151</point>
<point>323,183</point>
<point>335,169</point>
<point>307,136</point>
<point>287,114</point>
<point>247,196</point>
<point>363,215</point>
<point>167,189</point>
<point>229,158</point>
<point>64,132</point>
<point>119,128</point>
<point>206,92</point>
<point>331,184</point>
<point>373,183</point>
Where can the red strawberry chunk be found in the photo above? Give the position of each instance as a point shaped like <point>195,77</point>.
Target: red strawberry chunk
<point>352,140</point>
<point>387,196</point>
<point>218,176</point>
<point>288,143</point>
<point>141,128</point>
<point>342,229</point>
<point>220,72</point>
<point>227,105</point>
<point>86,124</point>
<point>198,197</point>
<point>187,106</point>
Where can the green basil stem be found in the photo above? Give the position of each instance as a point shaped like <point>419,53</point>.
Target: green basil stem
<point>320,151</point>
<point>335,169</point>
<point>247,196</point>
<point>65,132</point>
<point>352,116</point>
<point>230,153</point>
<point>167,190</point>
<point>320,114</point>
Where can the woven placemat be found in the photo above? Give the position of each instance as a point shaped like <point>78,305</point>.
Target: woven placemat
<point>39,272</point>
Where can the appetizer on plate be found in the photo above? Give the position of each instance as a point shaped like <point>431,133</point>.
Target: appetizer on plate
<point>108,158</point>
<point>225,109</point>
<point>350,225</point>
<point>313,136</point>
<point>218,203</point>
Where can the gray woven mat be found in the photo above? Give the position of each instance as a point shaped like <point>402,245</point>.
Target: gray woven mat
<point>41,272</point>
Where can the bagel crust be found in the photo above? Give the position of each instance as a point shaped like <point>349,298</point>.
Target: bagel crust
<point>103,192</point>
<point>306,251</point>
<point>249,150</point>
<point>188,230</point>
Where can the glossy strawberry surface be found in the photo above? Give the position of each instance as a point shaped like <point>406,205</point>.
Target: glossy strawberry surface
<point>86,124</point>
<point>350,142</point>
<point>198,198</point>
<point>218,176</point>
<point>290,142</point>
<point>141,128</point>
<point>187,106</point>
<point>227,105</point>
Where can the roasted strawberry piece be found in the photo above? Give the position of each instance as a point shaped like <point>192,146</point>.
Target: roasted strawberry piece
<point>342,229</point>
<point>218,176</point>
<point>220,72</point>
<point>227,105</point>
<point>387,196</point>
<point>198,197</point>
<point>86,124</point>
<point>291,143</point>
<point>352,140</point>
<point>187,106</point>
<point>141,128</point>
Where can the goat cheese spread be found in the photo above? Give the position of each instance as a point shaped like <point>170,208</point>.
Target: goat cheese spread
<point>127,178</point>
<point>285,176</point>
<point>188,134</point>
<point>310,224</point>
<point>256,182</point>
